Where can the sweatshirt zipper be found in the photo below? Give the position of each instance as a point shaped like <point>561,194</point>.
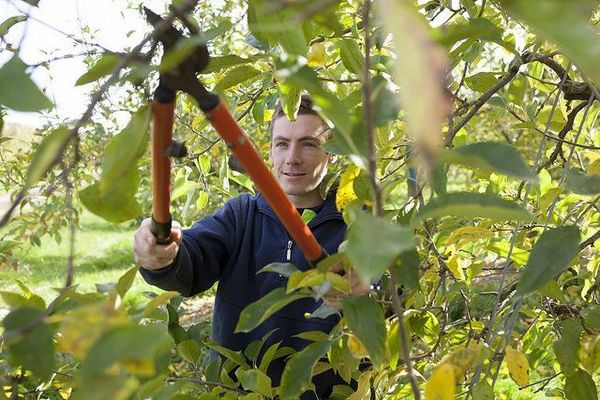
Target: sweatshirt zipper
<point>288,253</point>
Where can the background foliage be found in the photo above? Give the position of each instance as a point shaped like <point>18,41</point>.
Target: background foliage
<point>484,223</point>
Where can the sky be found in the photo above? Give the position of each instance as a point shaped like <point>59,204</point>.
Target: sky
<point>110,23</point>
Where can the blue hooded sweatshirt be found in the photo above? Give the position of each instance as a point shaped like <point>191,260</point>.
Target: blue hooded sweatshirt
<point>230,247</point>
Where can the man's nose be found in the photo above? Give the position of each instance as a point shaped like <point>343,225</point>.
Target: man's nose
<point>293,155</point>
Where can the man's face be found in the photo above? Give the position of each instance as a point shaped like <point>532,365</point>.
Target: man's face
<point>299,161</point>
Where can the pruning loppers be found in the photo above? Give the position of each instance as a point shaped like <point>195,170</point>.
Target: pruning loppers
<point>183,77</point>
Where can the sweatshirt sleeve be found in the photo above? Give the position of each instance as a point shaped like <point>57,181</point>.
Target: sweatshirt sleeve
<point>204,252</point>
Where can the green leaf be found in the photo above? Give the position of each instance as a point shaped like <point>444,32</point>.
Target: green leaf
<point>591,317</point>
<point>102,67</point>
<point>190,350</point>
<point>33,349</point>
<point>18,91</point>
<point>471,205</point>
<point>211,34</point>
<point>483,391</point>
<point>298,370</point>
<point>490,157</point>
<point>123,150</point>
<point>126,280</point>
<point>566,348</point>
<point>289,95</point>
<point>518,89</point>
<point>117,203</point>
<point>581,183</point>
<point>408,269</point>
<point>285,269</point>
<point>386,104</point>
<point>476,28</point>
<point>351,56</point>
<point>580,386</point>
<point>551,254</point>
<point>9,23</point>
<point>157,302</point>
<point>235,356</point>
<point>481,82</point>
<point>256,381</point>
<point>256,313</point>
<point>308,215</point>
<point>14,300</point>
<point>235,76</point>
<point>280,27</point>
<point>439,179</point>
<point>216,64</point>
<point>46,154</point>
<point>374,243</point>
<point>268,357</point>
<point>366,319</point>
<point>567,25</point>
<point>129,343</point>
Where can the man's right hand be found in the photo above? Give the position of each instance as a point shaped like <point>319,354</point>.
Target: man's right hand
<point>149,254</point>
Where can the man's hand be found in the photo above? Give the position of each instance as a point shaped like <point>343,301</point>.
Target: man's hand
<point>358,288</point>
<point>149,254</point>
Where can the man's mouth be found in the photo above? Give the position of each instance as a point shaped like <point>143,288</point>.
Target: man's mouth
<point>293,174</point>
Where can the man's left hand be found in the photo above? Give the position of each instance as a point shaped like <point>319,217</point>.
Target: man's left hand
<point>358,288</point>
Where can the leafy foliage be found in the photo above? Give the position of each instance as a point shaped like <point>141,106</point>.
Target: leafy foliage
<point>485,233</point>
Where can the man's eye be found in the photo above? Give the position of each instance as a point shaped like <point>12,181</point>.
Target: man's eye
<point>310,144</point>
<point>281,144</point>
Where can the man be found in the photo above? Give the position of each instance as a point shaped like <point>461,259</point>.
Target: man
<point>244,236</point>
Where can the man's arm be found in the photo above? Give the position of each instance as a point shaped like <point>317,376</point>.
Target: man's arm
<point>196,258</point>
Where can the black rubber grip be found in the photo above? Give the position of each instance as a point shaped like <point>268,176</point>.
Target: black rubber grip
<point>164,95</point>
<point>162,231</point>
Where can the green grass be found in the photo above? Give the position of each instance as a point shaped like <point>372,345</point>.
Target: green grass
<point>102,254</point>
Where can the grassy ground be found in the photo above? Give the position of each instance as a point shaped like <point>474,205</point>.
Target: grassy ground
<point>102,254</point>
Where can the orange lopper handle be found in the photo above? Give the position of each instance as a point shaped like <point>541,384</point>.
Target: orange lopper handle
<point>163,108</point>
<point>224,123</point>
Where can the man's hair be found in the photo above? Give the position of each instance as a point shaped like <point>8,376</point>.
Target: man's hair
<point>305,108</point>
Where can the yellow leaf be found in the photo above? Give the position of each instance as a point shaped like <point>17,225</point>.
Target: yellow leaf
<point>455,268</point>
<point>364,386</point>
<point>357,349</point>
<point>139,366</point>
<point>469,234</point>
<point>317,55</point>
<point>590,352</point>
<point>80,328</point>
<point>518,366</point>
<point>594,168</point>
<point>345,193</point>
<point>545,200</point>
<point>65,393</point>
<point>464,359</point>
<point>441,384</point>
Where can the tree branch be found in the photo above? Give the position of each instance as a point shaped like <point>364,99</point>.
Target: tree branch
<point>97,96</point>
<point>589,241</point>
<point>513,69</point>
<point>563,132</point>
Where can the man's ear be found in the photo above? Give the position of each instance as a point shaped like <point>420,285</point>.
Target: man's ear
<point>332,158</point>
